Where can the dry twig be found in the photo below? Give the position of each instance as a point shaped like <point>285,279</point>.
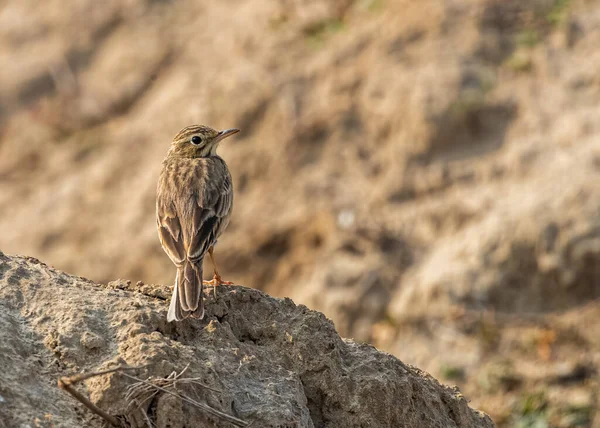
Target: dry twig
<point>67,383</point>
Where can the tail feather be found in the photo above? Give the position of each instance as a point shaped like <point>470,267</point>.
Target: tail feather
<point>191,293</point>
<point>187,298</point>
<point>175,313</point>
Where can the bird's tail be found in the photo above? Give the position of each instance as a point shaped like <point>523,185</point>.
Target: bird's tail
<point>188,298</point>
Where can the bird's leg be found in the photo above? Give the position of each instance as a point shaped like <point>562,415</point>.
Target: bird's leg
<point>217,280</point>
<point>217,277</point>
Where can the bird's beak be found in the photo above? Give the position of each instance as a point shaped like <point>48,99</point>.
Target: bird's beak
<point>226,133</point>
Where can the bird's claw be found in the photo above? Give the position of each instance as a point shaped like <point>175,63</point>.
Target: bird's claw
<point>216,281</point>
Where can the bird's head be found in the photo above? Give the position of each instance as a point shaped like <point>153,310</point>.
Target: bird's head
<point>198,141</point>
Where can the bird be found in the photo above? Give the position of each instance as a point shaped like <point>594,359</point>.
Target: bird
<point>194,201</point>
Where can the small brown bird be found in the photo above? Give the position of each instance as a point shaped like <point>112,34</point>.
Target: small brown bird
<point>193,205</point>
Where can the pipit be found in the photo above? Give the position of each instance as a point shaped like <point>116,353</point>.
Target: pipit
<point>193,206</point>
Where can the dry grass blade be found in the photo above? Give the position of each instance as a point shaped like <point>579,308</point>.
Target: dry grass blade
<point>142,391</point>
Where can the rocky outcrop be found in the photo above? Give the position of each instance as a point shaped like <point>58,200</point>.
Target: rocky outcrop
<point>264,360</point>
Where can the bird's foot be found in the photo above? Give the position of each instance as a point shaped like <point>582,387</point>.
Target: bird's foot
<point>215,282</point>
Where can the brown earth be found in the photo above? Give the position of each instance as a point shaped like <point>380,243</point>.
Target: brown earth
<point>425,173</point>
<point>265,361</point>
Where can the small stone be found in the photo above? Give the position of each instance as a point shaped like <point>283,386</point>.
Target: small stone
<point>346,218</point>
<point>92,341</point>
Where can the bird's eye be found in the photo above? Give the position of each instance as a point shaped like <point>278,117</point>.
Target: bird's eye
<point>196,140</point>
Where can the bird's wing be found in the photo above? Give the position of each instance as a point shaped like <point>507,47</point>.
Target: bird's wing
<point>213,206</point>
<point>169,229</point>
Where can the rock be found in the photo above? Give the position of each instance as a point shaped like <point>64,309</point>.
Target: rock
<point>265,360</point>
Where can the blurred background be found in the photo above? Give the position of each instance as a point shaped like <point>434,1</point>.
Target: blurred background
<point>425,173</point>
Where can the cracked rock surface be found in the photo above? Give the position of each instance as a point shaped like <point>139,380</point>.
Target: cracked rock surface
<point>267,360</point>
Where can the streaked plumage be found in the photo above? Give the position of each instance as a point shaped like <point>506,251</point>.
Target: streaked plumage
<point>193,207</point>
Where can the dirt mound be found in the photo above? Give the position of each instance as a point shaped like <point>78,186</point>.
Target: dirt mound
<point>272,362</point>
<point>535,250</point>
